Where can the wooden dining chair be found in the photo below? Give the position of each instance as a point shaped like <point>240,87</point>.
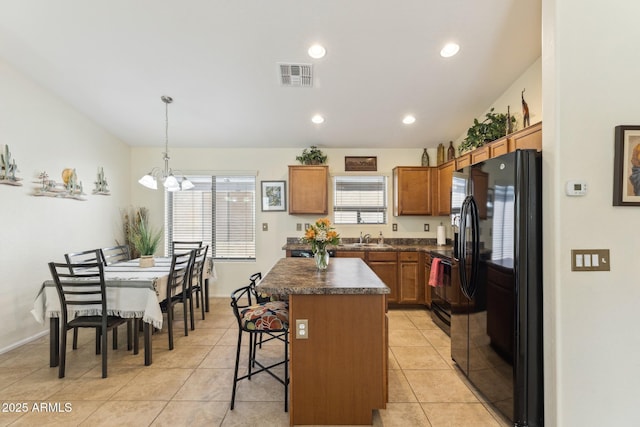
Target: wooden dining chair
<point>81,287</point>
<point>177,289</point>
<point>196,289</point>
<point>84,257</point>
<point>184,245</point>
<point>115,254</point>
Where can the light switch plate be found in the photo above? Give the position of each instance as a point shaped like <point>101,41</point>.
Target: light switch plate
<point>590,260</point>
<point>265,226</point>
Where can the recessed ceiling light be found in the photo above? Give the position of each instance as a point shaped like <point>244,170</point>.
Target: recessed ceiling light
<point>317,51</point>
<point>317,119</point>
<point>449,50</point>
<point>408,119</point>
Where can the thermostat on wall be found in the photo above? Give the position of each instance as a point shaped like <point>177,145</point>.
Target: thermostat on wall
<point>576,188</point>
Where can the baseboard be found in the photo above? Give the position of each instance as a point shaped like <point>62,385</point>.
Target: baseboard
<point>24,341</point>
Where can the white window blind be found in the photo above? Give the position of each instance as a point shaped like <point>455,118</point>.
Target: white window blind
<point>360,199</point>
<point>220,211</point>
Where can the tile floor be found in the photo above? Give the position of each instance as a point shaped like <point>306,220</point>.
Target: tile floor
<point>191,385</point>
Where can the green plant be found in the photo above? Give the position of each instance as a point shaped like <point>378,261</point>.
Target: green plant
<point>139,235</point>
<point>312,156</point>
<point>494,126</point>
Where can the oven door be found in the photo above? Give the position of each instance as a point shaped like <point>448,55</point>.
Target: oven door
<point>440,299</point>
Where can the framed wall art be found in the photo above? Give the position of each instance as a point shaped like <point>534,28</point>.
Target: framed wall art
<point>360,163</point>
<point>274,196</point>
<point>626,166</point>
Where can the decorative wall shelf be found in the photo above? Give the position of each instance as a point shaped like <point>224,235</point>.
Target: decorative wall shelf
<point>71,189</point>
<point>101,184</point>
<point>8,168</point>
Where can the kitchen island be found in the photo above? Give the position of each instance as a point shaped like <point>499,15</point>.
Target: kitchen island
<point>339,366</point>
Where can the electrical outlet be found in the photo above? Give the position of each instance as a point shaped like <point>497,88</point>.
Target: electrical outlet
<point>394,227</point>
<point>302,329</point>
<point>265,226</point>
<point>298,227</point>
<point>426,227</point>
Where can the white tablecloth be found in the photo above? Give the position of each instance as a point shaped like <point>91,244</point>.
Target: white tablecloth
<point>132,291</point>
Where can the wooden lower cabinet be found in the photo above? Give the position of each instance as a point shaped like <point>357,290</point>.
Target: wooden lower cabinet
<point>385,265</point>
<point>410,279</point>
<point>338,374</point>
<point>350,254</point>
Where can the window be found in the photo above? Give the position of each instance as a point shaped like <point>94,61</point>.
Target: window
<point>220,211</point>
<point>360,199</point>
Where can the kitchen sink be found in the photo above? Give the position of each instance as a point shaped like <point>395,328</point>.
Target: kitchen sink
<point>364,245</point>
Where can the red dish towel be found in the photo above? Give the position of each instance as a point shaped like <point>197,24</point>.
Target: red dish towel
<point>435,277</point>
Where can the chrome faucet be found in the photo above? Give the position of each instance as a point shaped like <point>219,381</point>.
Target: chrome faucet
<point>365,238</point>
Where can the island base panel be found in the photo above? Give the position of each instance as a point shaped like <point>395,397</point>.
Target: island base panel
<point>338,374</point>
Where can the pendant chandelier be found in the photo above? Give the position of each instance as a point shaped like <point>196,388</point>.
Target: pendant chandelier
<point>169,181</point>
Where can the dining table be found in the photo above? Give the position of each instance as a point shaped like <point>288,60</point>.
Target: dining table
<point>132,292</point>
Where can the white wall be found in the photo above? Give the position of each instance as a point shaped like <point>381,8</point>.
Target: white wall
<point>271,165</point>
<point>43,133</point>
<point>531,80</point>
<point>590,82</point>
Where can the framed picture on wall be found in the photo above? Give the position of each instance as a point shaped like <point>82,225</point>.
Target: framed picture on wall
<point>626,166</point>
<point>274,196</point>
<point>360,163</point>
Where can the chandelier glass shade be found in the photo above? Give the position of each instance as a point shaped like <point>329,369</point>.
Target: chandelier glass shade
<point>169,181</point>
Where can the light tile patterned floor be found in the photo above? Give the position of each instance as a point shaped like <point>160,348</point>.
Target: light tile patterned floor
<point>191,385</point>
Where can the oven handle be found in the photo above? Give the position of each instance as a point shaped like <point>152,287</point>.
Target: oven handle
<point>445,261</point>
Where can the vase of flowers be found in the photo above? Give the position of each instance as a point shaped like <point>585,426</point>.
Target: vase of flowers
<point>320,235</point>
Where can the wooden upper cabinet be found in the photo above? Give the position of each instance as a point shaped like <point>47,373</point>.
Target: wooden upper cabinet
<point>308,189</point>
<point>443,196</point>
<point>412,190</point>
<point>480,154</point>
<point>499,147</point>
<point>527,138</point>
<point>463,161</point>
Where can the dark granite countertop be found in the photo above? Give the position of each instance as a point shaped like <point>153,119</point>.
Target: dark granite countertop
<point>299,276</point>
<point>398,245</point>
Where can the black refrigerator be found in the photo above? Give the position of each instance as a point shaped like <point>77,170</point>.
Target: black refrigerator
<point>496,330</point>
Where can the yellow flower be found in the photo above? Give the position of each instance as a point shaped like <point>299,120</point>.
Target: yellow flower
<point>321,234</point>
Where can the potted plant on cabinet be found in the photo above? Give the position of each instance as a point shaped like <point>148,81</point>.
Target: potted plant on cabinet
<point>493,127</point>
<point>312,156</point>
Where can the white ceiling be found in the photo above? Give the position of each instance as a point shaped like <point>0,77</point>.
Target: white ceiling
<point>113,59</point>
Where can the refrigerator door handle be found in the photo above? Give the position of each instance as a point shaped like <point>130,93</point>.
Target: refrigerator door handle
<point>462,247</point>
<point>475,245</point>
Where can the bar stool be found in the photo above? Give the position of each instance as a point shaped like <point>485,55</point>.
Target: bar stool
<point>268,318</point>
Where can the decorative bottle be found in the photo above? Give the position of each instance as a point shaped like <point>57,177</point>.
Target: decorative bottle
<point>440,154</point>
<point>451,152</point>
<point>425,158</point>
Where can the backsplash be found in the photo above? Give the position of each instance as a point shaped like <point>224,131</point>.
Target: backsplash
<point>389,241</point>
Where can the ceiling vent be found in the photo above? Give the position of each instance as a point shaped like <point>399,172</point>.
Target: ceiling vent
<point>296,75</point>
